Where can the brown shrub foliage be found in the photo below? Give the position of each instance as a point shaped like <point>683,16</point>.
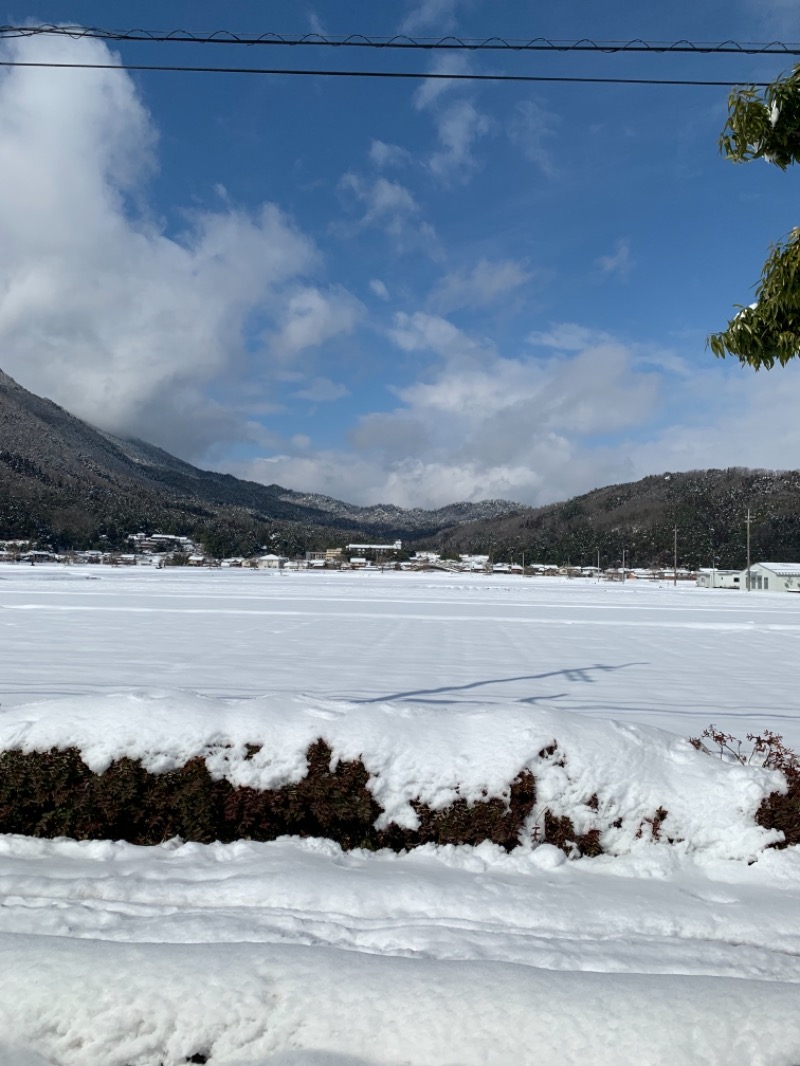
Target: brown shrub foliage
<point>560,830</point>
<point>53,793</point>
<point>469,823</point>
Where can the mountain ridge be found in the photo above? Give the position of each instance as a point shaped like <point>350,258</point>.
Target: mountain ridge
<point>708,508</point>
<point>57,471</point>
<point>66,483</point>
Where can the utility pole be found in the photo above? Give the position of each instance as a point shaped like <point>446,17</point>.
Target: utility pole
<point>623,566</point>
<point>675,559</point>
<point>747,585</point>
<point>523,564</point>
<point>598,564</point>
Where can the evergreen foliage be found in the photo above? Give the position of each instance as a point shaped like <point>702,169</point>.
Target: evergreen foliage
<point>766,126</point>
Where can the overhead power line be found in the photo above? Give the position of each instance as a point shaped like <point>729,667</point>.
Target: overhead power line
<point>402,41</point>
<point>381,74</point>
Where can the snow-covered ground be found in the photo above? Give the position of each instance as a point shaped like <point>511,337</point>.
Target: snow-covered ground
<point>297,953</point>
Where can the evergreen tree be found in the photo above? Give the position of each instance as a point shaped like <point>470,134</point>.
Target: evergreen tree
<point>766,126</point>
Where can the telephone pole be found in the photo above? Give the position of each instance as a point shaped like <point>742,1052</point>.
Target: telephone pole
<point>747,584</point>
<point>675,559</point>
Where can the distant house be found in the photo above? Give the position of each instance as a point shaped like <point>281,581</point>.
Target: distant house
<point>92,556</point>
<point>161,542</point>
<point>38,557</point>
<point>773,577</point>
<point>474,562</point>
<point>271,562</point>
<point>422,559</point>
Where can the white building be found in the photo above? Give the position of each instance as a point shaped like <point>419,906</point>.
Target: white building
<point>764,577</point>
<point>720,579</point>
<point>396,547</point>
<point>773,577</point>
<point>271,562</point>
<point>474,562</point>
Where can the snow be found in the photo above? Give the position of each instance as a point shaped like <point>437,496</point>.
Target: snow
<point>294,952</point>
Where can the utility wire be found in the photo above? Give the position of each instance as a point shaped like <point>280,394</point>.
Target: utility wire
<point>402,41</point>
<point>382,74</point>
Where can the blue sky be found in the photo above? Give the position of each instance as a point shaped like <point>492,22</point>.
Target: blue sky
<point>395,291</point>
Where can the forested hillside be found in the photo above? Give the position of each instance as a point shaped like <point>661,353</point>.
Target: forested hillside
<point>708,507</point>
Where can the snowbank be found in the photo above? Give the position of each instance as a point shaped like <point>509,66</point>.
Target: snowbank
<point>81,1003</point>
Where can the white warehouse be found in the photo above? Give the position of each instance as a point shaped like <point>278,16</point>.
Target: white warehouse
<point>773,577</point>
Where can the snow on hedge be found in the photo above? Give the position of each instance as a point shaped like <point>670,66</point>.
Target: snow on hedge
<point>601,774</point>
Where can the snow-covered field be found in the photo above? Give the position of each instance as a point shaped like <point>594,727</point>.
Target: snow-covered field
<point>297,953</point>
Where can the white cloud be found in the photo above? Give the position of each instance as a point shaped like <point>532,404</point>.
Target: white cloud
<point>481,424</point>
<point>419,332</point>
<point>385,203</point>
<point>744,419</point>
<point>311,316</point>
<point>388,155</point>
<point>391,207</point>
<point>619,262</point>
<point>378,287</point>
<point>315,22</point>
<point>430,91</point>
<point>321,390</point>
<point>484,425</point>
<point>567,337</point>
<point>561,393</point>
<point>458,127</point>
<point>529,128</point>
<point>459,123</point>
<point>99,308</point>
<point>487,281</point>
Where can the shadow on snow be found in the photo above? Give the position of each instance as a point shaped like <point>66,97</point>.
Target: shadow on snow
<point>575,675</point>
